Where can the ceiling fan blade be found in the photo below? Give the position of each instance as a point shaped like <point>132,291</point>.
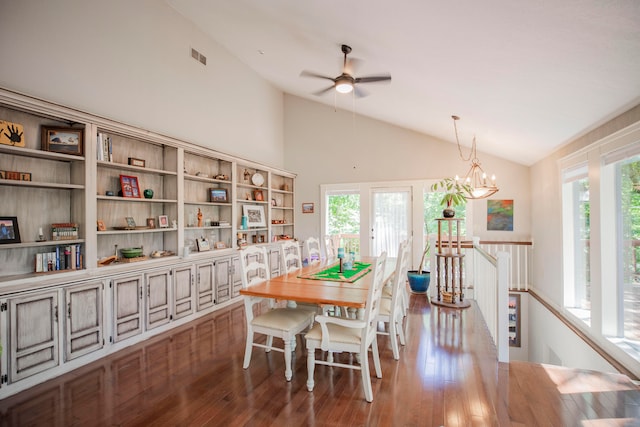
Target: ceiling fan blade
<point>323,91</point>
<point>359,92</point>
<point>372,79</point>
<point>306,73</point>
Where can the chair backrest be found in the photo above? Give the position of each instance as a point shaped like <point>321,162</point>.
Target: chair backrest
<point>290,256</point>
<point>254,265</point>
<point>313,250</point>
<point>372,309</point>
<point>329,248</point>
<point>400,276</point>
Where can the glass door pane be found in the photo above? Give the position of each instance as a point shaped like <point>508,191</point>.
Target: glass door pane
<point>390,219</point>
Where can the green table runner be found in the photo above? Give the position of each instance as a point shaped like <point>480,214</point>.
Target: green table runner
<point>333,273</point>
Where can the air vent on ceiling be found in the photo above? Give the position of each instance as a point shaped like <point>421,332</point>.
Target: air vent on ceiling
<point>198,56</point>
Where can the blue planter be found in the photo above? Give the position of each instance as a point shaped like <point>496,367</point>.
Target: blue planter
<point>419,282</point>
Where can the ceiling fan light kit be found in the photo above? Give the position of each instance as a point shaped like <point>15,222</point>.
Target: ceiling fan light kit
<point>346,82</point>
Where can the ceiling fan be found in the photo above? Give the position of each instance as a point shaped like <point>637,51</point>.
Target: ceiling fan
<point>346,82</point>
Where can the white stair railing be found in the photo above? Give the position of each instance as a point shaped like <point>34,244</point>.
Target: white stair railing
<point>491,289</point>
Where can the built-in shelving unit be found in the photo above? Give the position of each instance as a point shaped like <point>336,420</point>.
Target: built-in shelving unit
<point>109,302</point>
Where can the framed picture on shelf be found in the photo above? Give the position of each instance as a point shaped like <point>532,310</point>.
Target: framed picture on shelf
<point>9,232</point>
<point>307,208</point>
<point>151,222</point>
<point>255,215</point>
<point>130,222</point>
<point>130,187</point>
<point>202,244</point>
<point>11,134</point>
<point>101,226</point>
<point>218,195</point>
<point>163,221</point>
<point>258,196</point>
<point>62,140</point>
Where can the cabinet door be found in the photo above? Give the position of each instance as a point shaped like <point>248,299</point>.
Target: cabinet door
<point>182,291</point>
<point>158,310</point>
<point>236,277</point>
<point>223,279</point>
<point>34,334</point>
<point>127,306</point>
<point>83,325</point>
<point>205,280</point>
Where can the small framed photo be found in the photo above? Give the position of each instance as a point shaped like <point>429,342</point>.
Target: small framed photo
<point>130,222</point>
<point>202,244</point>
<point>255,215</point>
<point>101,226</point>
<point>220,245</point>
<point>258,196</point>
<point>163,221</point>
<point>9,232</point>
<point>218,195</point>
<point>307,208</point>
<point>130,187</point>
<point>136,162</point>
<point>151,222</point>
<point>62,140</point>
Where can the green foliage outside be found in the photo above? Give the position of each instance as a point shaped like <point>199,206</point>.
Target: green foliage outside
<point>344,218</point>
<point>630,208</point>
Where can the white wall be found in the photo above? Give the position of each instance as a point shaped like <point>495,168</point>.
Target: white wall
<point>325,146</point>
<point>129,60</point>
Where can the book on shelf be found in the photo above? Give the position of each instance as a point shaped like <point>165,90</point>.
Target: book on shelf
<point>104,147</point>
<point>64,231</point>
<point>67,257</point>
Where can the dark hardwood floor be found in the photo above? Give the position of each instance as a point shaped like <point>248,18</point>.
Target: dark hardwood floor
<point>447,375</point>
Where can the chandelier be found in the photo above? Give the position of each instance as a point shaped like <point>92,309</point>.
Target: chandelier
<point>476,178</point>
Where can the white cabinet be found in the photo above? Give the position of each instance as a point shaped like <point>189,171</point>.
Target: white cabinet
<point>205,285</point>
<point>236,277</point>
<point>83,319</point>
<point>33,323</point>
<point>127,306</point>
<point>158,308</point>
<point>183,291</point>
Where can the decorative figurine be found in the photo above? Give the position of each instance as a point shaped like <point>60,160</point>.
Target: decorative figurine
<point>199,218</point>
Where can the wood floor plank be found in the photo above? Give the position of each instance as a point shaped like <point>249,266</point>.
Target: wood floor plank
<point>447,375</point>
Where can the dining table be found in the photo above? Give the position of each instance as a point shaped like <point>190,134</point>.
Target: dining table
<point>307,285</point>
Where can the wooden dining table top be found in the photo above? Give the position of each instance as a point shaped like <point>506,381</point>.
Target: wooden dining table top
<point>292,286</point>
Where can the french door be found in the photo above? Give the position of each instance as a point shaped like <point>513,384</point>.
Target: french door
<point>390,219</point>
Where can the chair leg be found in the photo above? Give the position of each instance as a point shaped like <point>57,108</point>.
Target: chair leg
<point>400,328</point>
<point>288,373</point>
<point>247,349</point>
<point>366,377</point>
<point>394,339</point>
<point>269,343</point>
<point>311,366</point>
<point>376,358</point>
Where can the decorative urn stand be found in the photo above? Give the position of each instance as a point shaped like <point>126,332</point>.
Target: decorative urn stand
<point>449,263</point>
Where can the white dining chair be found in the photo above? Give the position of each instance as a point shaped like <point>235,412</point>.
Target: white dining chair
<point>392,309</point>
<point>291,262</point>
<point>312,245</point>
<point>329,248</point>
<point>387,290</point>
<point>283,323</point>
<point>336,334</point>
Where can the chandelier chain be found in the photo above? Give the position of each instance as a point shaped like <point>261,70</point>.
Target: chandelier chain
<point>473,146</point>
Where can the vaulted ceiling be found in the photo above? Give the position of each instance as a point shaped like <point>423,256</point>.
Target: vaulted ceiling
<point>525,77</point>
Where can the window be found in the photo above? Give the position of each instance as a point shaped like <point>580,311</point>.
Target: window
<point>576,242</point>
<point>343,218</point>
<point>621,260</point>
